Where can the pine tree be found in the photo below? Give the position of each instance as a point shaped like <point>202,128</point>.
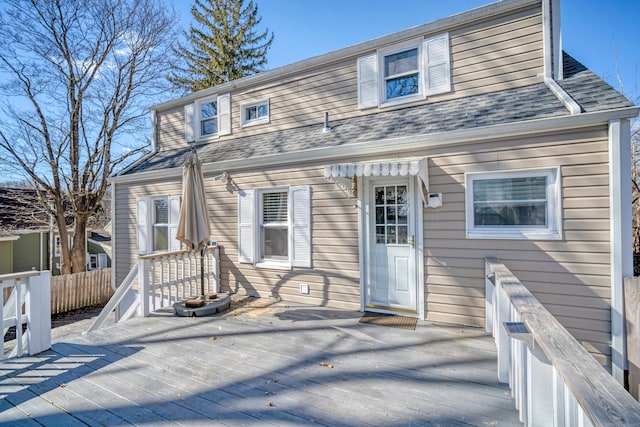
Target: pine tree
<point>224,44</point>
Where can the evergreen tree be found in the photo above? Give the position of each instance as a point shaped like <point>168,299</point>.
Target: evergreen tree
<point>224,44</point>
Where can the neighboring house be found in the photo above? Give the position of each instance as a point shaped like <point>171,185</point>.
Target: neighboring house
<point>28,242</point>
<point>467,137</point>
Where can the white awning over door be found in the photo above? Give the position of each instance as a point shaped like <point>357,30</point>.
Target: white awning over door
<point>407,167</point>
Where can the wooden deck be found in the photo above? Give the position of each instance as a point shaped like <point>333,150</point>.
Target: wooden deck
<point>262,363</point>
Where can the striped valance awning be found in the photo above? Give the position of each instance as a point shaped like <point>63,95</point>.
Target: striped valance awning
<point>406,167</point>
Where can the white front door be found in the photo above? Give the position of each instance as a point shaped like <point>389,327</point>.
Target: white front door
<point>390,224</point>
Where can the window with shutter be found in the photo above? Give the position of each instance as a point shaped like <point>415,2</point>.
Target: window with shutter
<point>404,72</point>
<point>157,222</point>
<point>274,227</point>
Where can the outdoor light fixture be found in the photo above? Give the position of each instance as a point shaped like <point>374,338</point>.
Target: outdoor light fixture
<point>223,177</point>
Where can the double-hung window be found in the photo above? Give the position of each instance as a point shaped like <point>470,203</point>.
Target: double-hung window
<point>160,224</point>
<point>401,73</point>
<point>208,117</point>
<point>523,204</point>
<point>405,72</point>
<point>274,227</point>
<point>254,113</point>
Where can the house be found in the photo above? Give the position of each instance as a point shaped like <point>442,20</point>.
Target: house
<point>379,176</point>
<point>28,241</point>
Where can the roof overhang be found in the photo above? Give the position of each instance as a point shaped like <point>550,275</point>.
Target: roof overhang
<point>393,147</point>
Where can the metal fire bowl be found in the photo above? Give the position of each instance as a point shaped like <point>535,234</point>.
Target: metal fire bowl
<point>210,307</point>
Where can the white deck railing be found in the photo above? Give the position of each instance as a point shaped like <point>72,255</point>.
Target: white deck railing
<point>159,280</point>
<point>28,304</point>
<point>173,276</point>
<point>553,378</point>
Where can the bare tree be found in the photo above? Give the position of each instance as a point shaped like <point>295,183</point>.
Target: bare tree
<point>78,75</point>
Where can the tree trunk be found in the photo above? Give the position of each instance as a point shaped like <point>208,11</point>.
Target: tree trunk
<point>79,249</point>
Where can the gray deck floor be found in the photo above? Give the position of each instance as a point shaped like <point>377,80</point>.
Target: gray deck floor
<point>263,363</point>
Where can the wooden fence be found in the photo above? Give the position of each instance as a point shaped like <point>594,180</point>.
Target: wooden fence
<point>79,290</point>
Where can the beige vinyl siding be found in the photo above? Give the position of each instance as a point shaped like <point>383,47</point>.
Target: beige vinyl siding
<point>334,278</point>
<point>124,222</point>
<point>570,276</point>
<point>501,53</point>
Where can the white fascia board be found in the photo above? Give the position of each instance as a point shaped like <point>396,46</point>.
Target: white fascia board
<point>444,24</point>
<point>394,146</point>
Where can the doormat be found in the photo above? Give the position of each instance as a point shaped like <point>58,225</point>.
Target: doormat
<point>392,320</point>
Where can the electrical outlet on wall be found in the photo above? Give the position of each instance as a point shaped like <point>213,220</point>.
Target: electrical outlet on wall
<point>304,288</point>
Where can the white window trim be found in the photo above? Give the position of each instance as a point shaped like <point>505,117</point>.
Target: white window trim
<point>553,231</point>
<point>198,122</point>
<point>260,261</point>
<point>257,121</point>
<point>382,88</point>
<point>93,258</point>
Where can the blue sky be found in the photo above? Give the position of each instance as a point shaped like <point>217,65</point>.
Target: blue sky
<point>592,29</point>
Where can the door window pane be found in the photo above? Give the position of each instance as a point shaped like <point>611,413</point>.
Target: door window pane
<point>391,207</point>
<point>403,238</point>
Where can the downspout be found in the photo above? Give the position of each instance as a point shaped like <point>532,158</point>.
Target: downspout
<point>552,48</point>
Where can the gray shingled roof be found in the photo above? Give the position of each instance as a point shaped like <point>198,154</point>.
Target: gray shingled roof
<point>502,107</point>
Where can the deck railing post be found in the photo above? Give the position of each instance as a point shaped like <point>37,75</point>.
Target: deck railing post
<point>38,308</point>
<point>216,269</point>
<point>539,389</point>
<point>143,282</point>
<point>504,347</point>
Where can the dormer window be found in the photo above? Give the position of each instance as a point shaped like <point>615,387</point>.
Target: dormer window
<point>405,72</point>
<point>255,113</point>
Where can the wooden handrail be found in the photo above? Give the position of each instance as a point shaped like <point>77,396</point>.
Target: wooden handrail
<point>604,401</point>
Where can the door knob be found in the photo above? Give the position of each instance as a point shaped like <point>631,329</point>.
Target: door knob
<point>412,240</point>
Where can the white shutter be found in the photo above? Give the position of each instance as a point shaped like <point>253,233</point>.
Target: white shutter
<point>245,226</point>
<point>437,65</point>
<point>174,215</point>
<point>368,81</point>
<point>224,114</point>
<point>301,226</point>
<point>190,122</point>
<point>143,225</point>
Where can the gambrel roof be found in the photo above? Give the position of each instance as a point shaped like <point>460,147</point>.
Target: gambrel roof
<point>522,104</point>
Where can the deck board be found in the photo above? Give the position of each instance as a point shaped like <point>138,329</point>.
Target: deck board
<point>260,364</point>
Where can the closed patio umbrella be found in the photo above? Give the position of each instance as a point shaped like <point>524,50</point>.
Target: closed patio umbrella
<point>193,222</point>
